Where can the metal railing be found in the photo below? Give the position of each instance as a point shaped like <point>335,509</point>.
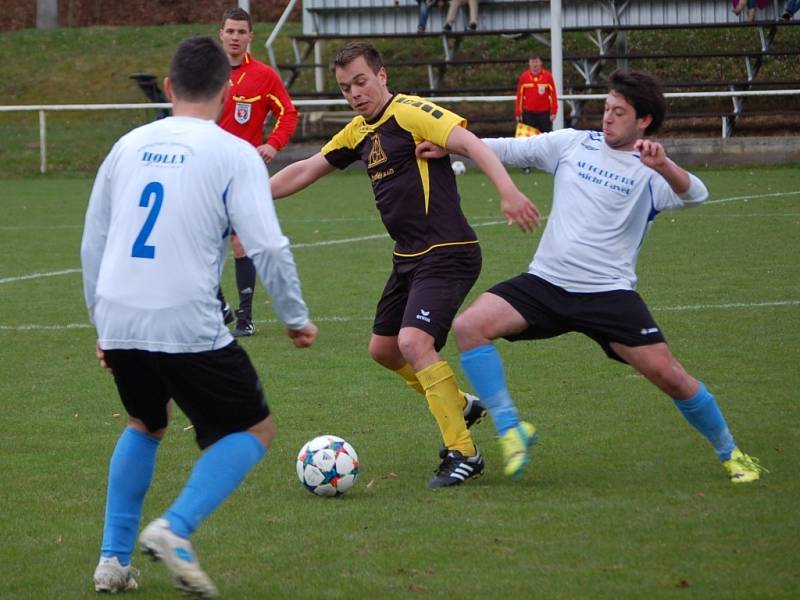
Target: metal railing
<point>567,98</point>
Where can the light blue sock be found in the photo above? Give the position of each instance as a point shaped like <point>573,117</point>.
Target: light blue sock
<point>702,412</point>
<point>484,369</point>
<point>216,475</point>
<point>129,475</point>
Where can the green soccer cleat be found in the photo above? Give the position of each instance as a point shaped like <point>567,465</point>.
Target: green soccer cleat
<point>742,468</point>
<point>516,444</point>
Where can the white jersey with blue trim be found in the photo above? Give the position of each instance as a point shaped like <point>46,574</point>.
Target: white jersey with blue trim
<point>157,232</point>
<point>604,201</point>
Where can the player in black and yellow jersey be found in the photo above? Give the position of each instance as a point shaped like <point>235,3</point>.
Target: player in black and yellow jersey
<point>436,256</point>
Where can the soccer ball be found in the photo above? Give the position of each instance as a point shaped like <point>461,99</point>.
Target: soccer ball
<point>327,466</point>
<point>459,168</point>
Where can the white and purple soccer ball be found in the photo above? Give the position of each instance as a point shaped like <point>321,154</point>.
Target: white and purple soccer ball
<point>459,168</point>
<point>327,466</point>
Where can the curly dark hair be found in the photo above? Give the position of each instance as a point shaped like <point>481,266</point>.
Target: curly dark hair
<point>643,92</point>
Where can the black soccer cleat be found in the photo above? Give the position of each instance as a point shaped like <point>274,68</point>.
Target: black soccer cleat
<point>244,325</point>
<point>474,411</point>
<point>456,468</point>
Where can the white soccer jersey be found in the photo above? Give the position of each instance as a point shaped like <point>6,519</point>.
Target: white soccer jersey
<point>604,201</point>
<point>156,236</point>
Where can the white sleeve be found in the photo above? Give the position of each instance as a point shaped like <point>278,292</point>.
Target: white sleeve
<point>540,151</point>
<point>665,197</point>
<point>253,217</point>
<point>95,232</point>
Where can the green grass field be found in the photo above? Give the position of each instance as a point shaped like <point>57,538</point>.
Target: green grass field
<point>623,499</point>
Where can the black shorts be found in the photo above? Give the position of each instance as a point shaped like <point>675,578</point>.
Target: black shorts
<point>540,120</point>
<point>426,292</point>
<point>615,316</point>
<point>218,390</point>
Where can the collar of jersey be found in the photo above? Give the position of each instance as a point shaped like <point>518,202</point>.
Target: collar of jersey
<point>383,111</point>
<point>245,61</point>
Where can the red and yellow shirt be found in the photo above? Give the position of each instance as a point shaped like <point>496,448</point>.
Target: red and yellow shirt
<point>536,93</point>
<point>256,90</point>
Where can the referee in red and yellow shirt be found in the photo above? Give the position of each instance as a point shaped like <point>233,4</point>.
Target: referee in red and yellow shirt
<point>537,102</point>
<point>256,90</point>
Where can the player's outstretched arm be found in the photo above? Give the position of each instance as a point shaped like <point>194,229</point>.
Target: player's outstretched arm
<point>516,207</point>
<point>299,175</point>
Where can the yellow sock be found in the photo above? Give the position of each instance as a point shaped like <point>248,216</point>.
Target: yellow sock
<point>446,401</point>
<point>407,373</point>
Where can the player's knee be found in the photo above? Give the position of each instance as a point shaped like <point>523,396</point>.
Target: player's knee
<point>679,384</point>
<point>415,345</point>
<point>467,332</point>
<point>379,356</point>
<point>670,377</point>
<point>383,355</point>
<point>460,331</point>
<point>408,346</point>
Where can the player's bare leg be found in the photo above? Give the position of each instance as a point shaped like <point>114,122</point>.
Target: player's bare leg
<point>694,401</point>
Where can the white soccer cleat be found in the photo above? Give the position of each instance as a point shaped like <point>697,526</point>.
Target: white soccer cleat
<point>112,577</point>
<point>179,557</point>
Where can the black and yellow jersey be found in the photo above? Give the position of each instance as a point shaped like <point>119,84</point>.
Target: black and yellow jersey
<point>417,198</point>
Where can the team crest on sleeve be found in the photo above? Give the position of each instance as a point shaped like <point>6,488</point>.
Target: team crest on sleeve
<point>242,112</point>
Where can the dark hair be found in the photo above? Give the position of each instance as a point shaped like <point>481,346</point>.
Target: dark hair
<point>539,56</point>
<point>347,54</point>
<point>643,92</point>
<point>199,69</point>
<point>237,14</point>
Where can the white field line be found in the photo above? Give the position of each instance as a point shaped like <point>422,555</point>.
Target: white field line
<point>756,197</point>
<point>39,275</point>
<point>364,238</point>
<point>378,236</point>
<point>688,307</point>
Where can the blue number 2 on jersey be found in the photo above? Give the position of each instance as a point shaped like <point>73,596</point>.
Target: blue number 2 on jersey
<point>140,248</point>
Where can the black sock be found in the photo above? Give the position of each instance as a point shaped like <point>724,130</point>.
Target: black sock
<point>246,282</point>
